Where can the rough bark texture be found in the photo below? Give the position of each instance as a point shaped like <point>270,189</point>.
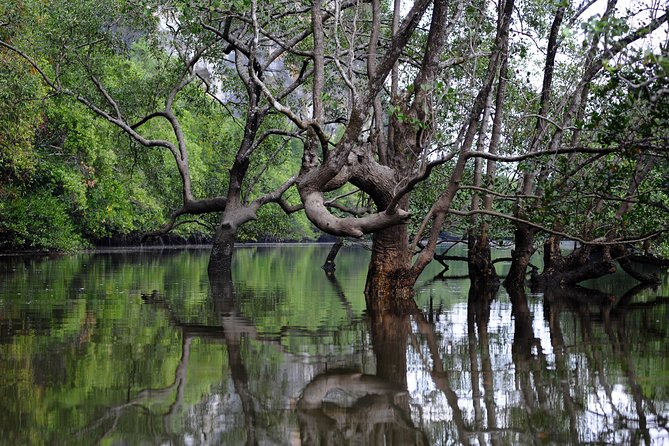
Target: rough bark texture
<point>389,287</point>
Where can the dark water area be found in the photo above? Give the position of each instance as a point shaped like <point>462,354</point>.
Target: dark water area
<point>139,348</point>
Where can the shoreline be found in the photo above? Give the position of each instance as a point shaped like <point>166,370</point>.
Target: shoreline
<point>149,248</point>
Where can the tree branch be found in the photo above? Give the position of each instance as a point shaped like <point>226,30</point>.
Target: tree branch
<point>196,207</point>
<point>594,242</point>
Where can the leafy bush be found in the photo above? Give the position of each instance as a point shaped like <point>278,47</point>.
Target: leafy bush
<point>38,221</point>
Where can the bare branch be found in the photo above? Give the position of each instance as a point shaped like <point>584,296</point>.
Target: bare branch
<point>275,195</point>
<point>196,207</point>
<point>498,194</point>
<point>254,181</point>
<point>314,206</point>
<point>595,242</point>
<point>287,207</point>
<point>409,184</point>
<point>107,97</point>
<point>344,195</point>
<point>147,118</point>
<point>530,155</point>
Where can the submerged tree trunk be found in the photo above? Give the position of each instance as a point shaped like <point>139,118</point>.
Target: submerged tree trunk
<point>585,262</point>
<point>220,259</point>
<point>389,286</point>
<point>479,261</point>
<point>520,256</point>
<point>329,266</point>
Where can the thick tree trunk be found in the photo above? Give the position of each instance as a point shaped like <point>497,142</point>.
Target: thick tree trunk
<point>220,259</point>
<point>627,265</point>
<point>389,286</point>
<point>649,259</point>
<point>482,272</point>
<point>520,256</point>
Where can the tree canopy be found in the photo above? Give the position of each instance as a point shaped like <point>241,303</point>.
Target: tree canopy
<point>536,121</point>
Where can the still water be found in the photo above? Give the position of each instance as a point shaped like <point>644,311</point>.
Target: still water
<point>138,348</point>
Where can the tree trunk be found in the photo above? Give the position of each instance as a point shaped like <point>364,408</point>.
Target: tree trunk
<point>588,262</point>
<point>482,272</point>
<point>329,266</point>
<point>220,259</point>
<point>389,286</point>
<point>585,262</point>
<point>627,266</point>
<point>520,256</point>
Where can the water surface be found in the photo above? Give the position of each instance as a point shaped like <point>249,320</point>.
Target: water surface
<point>140,348</point>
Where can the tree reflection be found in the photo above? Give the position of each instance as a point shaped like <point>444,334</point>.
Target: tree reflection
<point>485,429</point>
<point>232,329</point>
<point>481,295</point>
<point>225,305</point>
<point>540,393</point>
<point>556,378</point>
<point>346,407</point>
<point>234,366</point>
<point>593,308</point>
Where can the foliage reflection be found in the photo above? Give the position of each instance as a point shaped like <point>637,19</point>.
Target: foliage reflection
<point>146,348</point>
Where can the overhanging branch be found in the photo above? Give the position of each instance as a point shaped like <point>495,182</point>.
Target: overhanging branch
<point>595,242</point>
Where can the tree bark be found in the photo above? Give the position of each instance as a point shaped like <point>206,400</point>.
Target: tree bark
<point>520,256</point>
<point>220,259</point>
<point>479,261</point>
<point>585,262</point>
<point>389,286</point>
<point>627,266</point>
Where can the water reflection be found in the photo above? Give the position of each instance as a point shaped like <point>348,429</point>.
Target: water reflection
<point>145,349</point>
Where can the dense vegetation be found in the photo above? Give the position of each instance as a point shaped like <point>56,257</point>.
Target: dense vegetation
<point>69,179</point>
<point>532,121</point>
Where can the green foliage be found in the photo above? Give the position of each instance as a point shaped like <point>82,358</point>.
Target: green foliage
<point>38,220</point>
<point>95,182</point>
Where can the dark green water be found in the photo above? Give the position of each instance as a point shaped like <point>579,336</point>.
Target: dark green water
<point>138,348</point>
